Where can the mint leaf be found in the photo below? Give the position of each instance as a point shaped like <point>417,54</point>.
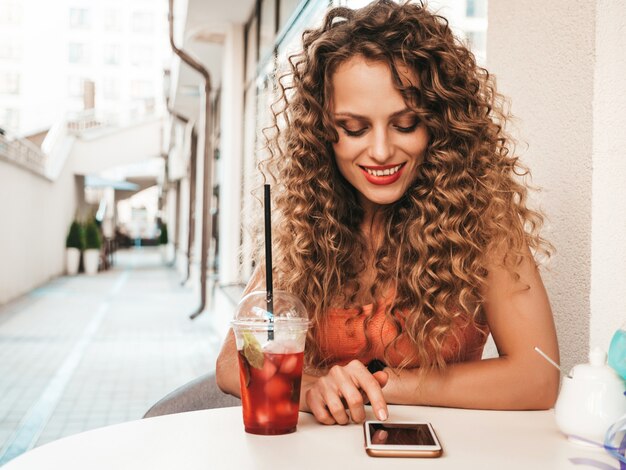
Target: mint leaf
<point>252,351</point>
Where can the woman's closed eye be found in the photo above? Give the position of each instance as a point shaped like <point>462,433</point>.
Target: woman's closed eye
<point>405,128</point>
<point>407,125</point>
<point>354,132</point>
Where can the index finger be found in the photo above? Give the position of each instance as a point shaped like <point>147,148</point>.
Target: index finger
<point>374,392</point>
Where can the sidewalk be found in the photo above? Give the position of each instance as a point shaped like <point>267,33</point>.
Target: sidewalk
<point>85,352</point>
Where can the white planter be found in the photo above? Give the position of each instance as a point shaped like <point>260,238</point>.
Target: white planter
<point>167,252</point>
<point>72,260</point>
<point>91,260</point>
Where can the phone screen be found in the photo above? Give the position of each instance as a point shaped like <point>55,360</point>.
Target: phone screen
<point>401,434</point>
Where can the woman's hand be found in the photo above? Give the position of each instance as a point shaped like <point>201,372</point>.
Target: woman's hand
<point>344,388</point>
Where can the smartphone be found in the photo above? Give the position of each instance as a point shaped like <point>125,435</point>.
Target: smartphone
<point>401,439</point>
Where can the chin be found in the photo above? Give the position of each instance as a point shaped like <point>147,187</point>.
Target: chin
<point>383,200</point>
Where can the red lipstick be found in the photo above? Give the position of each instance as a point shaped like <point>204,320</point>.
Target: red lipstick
<point>382,180</point>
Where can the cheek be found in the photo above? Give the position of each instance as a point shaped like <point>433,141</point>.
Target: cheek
<point>341,148</point>
<point>417,146</point>
<point>342,154</point>
<point>343,161</point>
<point>418,151</point>
<point>347,152</point>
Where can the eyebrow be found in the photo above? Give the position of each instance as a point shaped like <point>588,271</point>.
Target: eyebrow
<point>358,116</point>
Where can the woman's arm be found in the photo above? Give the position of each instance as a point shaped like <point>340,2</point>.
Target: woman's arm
<point>227,367</point>
<point>519,318</point>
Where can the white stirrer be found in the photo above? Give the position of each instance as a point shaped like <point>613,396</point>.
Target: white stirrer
<point>545,356</point>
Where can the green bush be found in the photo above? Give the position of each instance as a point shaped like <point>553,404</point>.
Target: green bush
<point>76,236</point>
<point>92,236</point>
<point>163,239</point>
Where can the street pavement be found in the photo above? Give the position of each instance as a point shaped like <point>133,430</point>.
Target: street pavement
<point>84,352</point>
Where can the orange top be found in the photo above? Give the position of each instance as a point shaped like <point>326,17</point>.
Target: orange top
<point>342,338</point>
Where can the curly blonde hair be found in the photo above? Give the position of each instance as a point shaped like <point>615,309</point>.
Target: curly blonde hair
<point>466,203</point>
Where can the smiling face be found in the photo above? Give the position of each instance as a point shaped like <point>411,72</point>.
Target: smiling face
<point>381,141</point>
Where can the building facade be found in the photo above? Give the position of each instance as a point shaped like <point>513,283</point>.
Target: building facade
<point>52,54</point>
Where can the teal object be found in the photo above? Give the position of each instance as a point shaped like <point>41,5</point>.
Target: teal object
<point>617,352</point>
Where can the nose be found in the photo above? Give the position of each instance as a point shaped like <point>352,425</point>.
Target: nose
<point>381,147</point>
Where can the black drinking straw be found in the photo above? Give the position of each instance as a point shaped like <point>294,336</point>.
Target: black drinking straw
<point>268,262</point>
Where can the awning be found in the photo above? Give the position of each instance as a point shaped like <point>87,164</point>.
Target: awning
<point>98,182</point>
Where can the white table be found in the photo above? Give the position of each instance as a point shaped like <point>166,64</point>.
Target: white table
<point>215,439</point>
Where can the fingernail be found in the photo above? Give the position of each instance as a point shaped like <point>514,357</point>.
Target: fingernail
<point>382,415</point>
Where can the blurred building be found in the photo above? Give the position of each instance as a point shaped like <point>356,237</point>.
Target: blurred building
<point>81,101</point>
<point>70,55</point>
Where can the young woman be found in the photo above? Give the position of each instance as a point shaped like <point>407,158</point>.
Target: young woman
<point>404,227</point>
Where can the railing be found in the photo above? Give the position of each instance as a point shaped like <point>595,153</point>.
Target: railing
<point>47,161</point>
<point>84,120</point>
<point>23,153</point>
<point>81,121</point>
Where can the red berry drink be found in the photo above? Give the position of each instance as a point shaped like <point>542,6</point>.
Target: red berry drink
<point>271,341</point>
<point>270,392</point>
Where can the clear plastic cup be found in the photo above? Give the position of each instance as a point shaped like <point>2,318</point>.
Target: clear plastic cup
<point>271,357</point>
<point>615,440</point>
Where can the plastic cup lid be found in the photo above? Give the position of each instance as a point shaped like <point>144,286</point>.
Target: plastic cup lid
<point>287,310</point>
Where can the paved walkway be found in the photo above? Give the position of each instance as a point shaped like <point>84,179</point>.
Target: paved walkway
<point>84,352</point>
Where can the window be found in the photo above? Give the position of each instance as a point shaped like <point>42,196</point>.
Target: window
<point>249,182</point>
<point>268,27</point>
<point>468,21</point>
<point>142,22</point>
<point>111,89</point>
<point>112,54</point>
<point>477,43</point>
<point>251,49</point>
<point>10,49</point>
<point>112,20</point>
<point>141,56</point>
<point>79,18</point>
<point>10,119</point>
<point>477,40</point>
<point>286,8</point>
<point>355,3</point>
<point>291,43</point>
<point>9,82</point>
<point>140,89</point>
<point>75,87</point>
<point>10,13</point>
<point>266,96</point>
<point>78,53</point>
<point>476,8</point>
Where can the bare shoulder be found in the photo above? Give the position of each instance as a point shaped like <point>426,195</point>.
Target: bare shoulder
<point>512,272</point>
